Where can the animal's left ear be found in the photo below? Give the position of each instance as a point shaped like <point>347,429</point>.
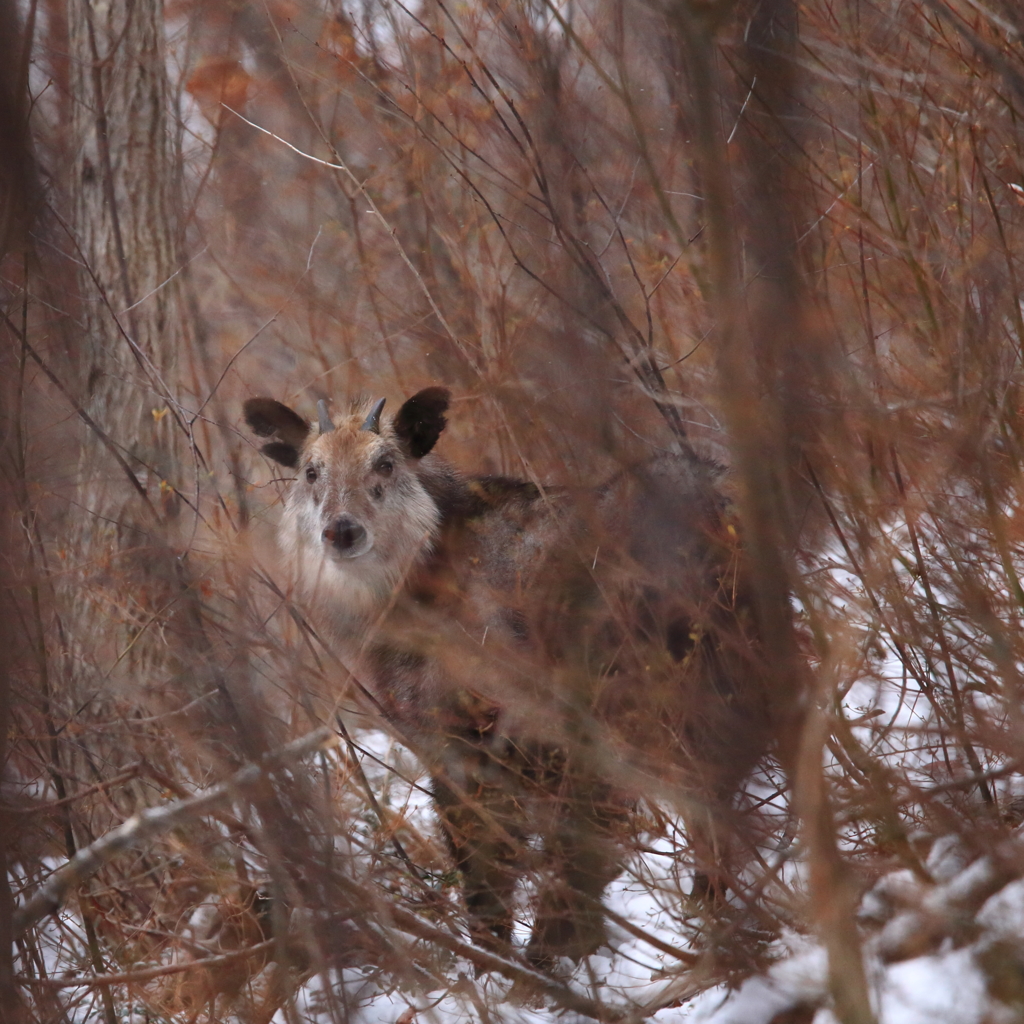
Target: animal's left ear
<point>420,421</point>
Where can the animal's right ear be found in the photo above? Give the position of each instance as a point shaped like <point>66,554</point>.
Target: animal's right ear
<point>272,419</point>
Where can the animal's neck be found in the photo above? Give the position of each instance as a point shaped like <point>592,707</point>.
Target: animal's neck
<point>448,489</point>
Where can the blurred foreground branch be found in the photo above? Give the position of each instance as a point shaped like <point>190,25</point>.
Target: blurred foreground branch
<point>147,825</point>
<point>949,909</point>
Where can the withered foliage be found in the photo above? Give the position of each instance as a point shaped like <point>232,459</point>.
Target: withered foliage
<point>777,241</point>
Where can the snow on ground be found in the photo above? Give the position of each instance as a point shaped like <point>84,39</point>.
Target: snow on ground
<point>947,986</point>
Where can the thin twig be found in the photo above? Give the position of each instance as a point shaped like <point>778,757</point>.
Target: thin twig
<point>142,828</point>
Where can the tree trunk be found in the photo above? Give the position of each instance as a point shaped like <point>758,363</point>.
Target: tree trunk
<point>121,194</point>
<point>123,189</point>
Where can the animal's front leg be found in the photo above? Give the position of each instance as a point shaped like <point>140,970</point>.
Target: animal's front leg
<point>483,823</point>
<point>582,859</point>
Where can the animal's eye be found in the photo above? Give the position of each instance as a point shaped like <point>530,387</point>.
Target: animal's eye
<point>311,474</point>
<point>384,467</point>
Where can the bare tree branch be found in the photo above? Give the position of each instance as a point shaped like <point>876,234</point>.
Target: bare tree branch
<point>142,828</point>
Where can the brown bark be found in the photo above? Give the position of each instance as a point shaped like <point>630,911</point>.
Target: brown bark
<point>122,197</point>
<point>123,194</point>
<point>18,201</point>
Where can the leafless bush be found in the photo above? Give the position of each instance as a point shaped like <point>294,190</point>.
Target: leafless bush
<point>780,238</point>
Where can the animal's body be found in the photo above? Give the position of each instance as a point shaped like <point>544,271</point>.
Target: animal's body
<point>541,650</point>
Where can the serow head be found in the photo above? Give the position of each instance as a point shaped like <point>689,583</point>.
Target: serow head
<point>357,488</point>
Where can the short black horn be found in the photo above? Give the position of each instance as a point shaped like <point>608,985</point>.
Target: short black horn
<point>373,420</point>
<point>326,426</point>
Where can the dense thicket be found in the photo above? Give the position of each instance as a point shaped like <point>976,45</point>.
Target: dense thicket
<point>785,235</point>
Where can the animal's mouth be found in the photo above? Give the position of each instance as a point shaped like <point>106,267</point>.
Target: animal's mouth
<point>347,538</point>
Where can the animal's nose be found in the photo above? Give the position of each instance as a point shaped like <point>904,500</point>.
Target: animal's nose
<point>344,533</point>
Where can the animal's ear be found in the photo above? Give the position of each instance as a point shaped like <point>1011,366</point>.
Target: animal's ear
<point>272,419</point>
<point>420,421</point>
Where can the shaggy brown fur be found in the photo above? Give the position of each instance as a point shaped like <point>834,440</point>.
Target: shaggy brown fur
<point>546,653</point>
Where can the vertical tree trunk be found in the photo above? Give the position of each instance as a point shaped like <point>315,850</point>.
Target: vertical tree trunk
<point>18,194</point>
<point>121,194</point>
<point>123,189</point>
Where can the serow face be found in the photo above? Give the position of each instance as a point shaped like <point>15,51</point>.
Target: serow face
<point>357,500</point>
